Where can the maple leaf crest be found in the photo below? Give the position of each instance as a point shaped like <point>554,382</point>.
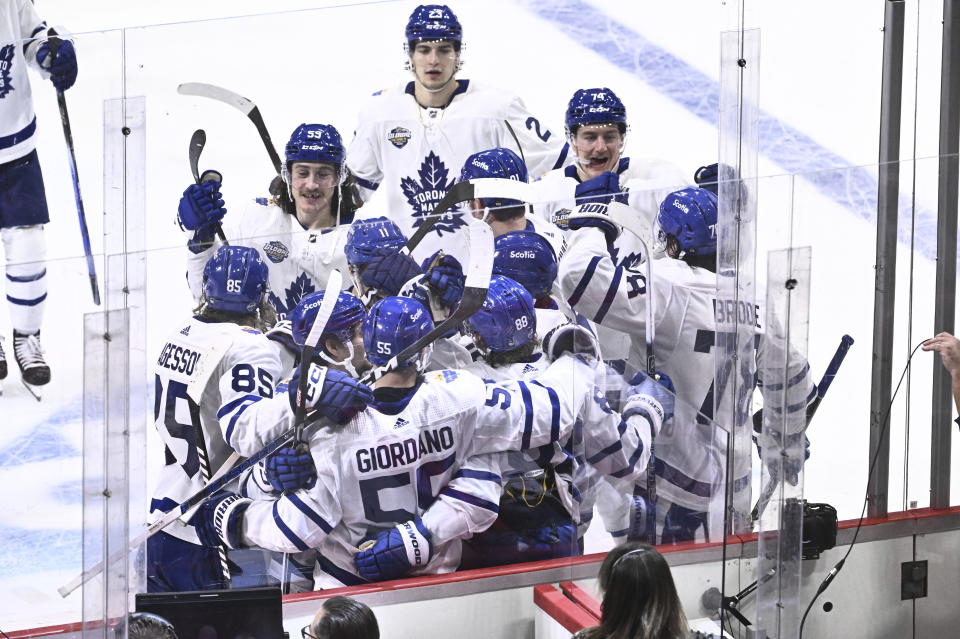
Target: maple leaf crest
<point>293,294</point>
<point>423,195</point>
<point>6,63</point>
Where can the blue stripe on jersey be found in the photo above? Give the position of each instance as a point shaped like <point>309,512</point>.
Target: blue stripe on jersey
<point>16,138</point>
<point>631,463</point>
<point>164,505</point>
<point>367,184</point>
<point>37,29</point>
<point>554,411</point>
<point>470,499</point>
<point>620,533</point>
<point>793,381</point>
<point>289,534</point>
<point>681,480</point>
<point>468,473</point>
<point>26,278</point>
<point>226,408</point>
<point>611,295</point>
<point>563,156</point>
<point>311,514</point>
<point>623,165</point>
<point>584,280</point>
<point>606,452</point>
<point>233,420</point>
<point>527,416</point>
<point>338,573</point>
<point>23,302</point>
<point>793,408</point>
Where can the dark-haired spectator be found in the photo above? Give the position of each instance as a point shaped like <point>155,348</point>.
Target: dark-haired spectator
<point>639,598</point>
<point>342,618</point>
<point>146,625</point>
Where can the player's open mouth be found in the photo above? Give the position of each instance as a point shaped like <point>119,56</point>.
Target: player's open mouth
<point>596,163</point>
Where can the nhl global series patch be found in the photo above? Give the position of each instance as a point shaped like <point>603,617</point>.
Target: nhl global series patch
<point>399,137</point>
<point>276,251</point>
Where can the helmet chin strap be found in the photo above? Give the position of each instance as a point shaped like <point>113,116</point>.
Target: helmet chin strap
<point>346,363</point>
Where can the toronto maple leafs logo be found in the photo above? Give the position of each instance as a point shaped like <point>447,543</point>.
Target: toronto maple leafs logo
<point>6,63</point>
<point>298,288</point>
<point>424,195</point>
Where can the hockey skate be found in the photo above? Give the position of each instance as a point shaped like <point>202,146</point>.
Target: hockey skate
<point>34,371</point>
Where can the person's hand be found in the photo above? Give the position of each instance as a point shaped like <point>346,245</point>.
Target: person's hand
<point>62,64</point>
<point>949,348</point>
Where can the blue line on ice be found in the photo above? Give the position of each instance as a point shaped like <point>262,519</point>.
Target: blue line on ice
<point>796,152</point>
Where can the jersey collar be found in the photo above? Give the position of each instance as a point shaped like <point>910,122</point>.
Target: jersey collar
<point>461,88</point>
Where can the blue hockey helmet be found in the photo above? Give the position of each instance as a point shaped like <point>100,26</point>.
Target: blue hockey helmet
<point>347,313</point>
<point>495,163</point>
<point>690,215</point>
<point>528,259</point>
<point>235,279</point>
<point>595,106</point>
<point>315,143</point>
<point>506,321</point>
<point>433,22</point>
<point>372,237</point>
<point>393,324</point>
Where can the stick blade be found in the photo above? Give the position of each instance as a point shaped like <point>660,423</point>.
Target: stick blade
<point>220,94</point>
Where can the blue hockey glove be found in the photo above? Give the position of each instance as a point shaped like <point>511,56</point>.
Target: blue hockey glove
<point>570,338</point>
<point>330,393</point>
<point>644,389</point>
<point>200,210</point>
<point>592,214</point>
<point>394,552</point>
<point>288,470</point>
<point>219,520</point>
<point>603,189</point>
<point>445,278</point>
<point>62,66</point>
<point>706,177</point>
<point>388,274</point>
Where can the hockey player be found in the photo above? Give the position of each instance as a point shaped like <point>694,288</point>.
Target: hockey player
<point>689,458</point>
<point>548,494</point>
<point>410,138</point>
<point>596,128</point>
<point>383,469</point>
<point>215,394</point>
<point>302,238</point>
<point>23,203</point>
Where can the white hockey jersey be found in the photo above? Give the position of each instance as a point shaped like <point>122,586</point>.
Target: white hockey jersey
<point>601,443</point>
<point>18,23</point>
<point>206,377</point>
<point>411,155</point>
<point>689,450</point>
<point>388,466</point>
<point>299,260</point>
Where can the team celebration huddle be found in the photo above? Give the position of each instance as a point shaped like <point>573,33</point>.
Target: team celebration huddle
<point>459,340</point>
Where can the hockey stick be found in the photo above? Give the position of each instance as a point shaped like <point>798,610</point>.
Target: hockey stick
<point>474,293</point>
<point>245,105</point>
<point>197,141</point>
<point>845,342</point>
<point>71,156</point>
<point>513,134</point>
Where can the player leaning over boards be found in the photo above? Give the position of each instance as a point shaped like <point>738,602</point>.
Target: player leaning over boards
<point>688,455</point>
<point>411,139</point>
<point>301,233</point>
<point>215,394</point>
<point>23,203</point>
<point>596,127</point>
<point>387,465</point>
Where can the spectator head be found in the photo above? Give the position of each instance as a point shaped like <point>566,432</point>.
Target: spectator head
<point>639,597</point>
<point>342,618</point>
<point>146,625</point>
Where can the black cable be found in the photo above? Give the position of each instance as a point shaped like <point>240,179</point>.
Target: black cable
<point>873,462</point>
<point>4,634</point>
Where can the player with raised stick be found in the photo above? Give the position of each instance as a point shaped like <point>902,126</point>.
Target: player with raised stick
<point>301,232</point>
<point>216,395</point>
<point>411,139</point>
<point>23,202</point>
